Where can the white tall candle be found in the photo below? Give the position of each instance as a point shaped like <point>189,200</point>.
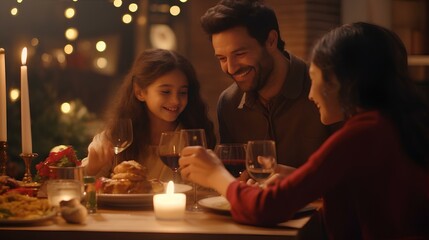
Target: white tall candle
<point>3,118</point>
<point>27,147</point>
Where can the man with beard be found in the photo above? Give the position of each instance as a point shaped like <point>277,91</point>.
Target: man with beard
<point>269,99</point>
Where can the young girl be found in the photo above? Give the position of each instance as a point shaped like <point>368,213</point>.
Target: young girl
<point>373,173</point>
<point>160,93</point>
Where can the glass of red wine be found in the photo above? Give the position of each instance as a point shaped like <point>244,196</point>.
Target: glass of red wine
<point>169,151</point>
<point>233,156</point>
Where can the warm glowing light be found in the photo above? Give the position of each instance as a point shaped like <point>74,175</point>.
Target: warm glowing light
<point>117,3</point>
<point>71,34</point>
<point>133,7</point>
<point>34,42</point>
<point>175,10</point>
<point>127,18</point>
<point>183,1</point>
<point>101,62</point>
<point>141,20</point>
<point>14,11</point>
<point>101,46</point>
<point>19,1</point>
<point>65,107</point>
<point>61,58</point>
<point>68,49</point>
<point>24,56</point>
<point>14,94</point>
<point>46,59</point>
<point>69,13</point>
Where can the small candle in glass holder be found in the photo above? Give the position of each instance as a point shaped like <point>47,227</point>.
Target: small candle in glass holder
<point>169,206</point>
<point>63,189</point>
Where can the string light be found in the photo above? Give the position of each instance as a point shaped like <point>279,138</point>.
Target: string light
<point>101,46</point>
<point>69,13</point>
<point>14,11</point>
<point>174,10</point>
<point>133,7</point>
<point>127,18</point>
<point>71,34</point>
<point>117,3</point>
<point>68,49</point>
<point>14,94</point>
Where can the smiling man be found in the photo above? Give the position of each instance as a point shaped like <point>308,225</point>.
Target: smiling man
<point>269,97</point>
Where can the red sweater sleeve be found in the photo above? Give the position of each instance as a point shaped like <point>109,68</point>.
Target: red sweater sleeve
<point>330,165</point>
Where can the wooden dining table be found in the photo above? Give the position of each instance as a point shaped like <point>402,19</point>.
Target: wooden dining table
<point>129,224</point>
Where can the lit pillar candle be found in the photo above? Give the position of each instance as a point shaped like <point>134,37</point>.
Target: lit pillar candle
<point>169,206</point>
<point>27,147</point>
<point>3,118</point>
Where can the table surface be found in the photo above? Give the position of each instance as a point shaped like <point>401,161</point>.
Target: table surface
<point>139,224</point>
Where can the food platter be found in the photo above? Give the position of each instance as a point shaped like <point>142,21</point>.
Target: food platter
<point>135,200</point>
<point>15,221</point>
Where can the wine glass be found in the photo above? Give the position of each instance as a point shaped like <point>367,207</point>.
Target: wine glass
<point>193,137</point>
<point>169,151</point>
<point>120,135</point>
<point>261,159</point>
<point>233,157</point>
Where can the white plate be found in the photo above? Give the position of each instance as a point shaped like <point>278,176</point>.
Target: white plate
<point>135,200</point>
<point>220,204</point>
<point>45,217</point>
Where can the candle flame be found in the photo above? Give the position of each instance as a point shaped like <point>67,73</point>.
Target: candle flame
<point>24,56</point>
<point>170,187</point>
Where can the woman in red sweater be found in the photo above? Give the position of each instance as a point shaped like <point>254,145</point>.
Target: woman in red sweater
<point>373,173</point>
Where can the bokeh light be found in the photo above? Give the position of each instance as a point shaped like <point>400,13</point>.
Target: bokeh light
<point>101,46</point>
<point>68,49</point>
<point>117,3</point>
<point>133,7</point>
<point>101,62</point>
<point>174,10</point>
<point>65,107</point>
<point>69,13</point>
<point>14,94</point>
<point>14,11</point>
<point>71,34</point>
<point>127,18</point>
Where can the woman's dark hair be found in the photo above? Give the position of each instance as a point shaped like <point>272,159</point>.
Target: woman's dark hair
<point>370,62</point>
<point>256,17</point>
<point>147,68</point>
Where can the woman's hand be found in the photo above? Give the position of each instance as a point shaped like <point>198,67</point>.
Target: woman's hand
<point>203,167</point>
<point>100,155</point>
<point>280,172</point>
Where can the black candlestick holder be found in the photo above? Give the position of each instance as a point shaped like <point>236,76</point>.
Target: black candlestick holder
<point>28,158</point>
<point>3,157</point>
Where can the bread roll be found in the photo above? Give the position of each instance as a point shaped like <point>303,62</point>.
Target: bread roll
<point>129,177</point>
<point>130,167</point>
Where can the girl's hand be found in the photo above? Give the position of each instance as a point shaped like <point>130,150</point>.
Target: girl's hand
<point>100,154</point>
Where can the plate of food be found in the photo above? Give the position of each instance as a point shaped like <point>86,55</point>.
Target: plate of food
<point>21,209</point>
<point>128,187</point>
<point>134,199</point>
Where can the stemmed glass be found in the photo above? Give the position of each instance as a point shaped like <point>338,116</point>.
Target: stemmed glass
<point>193,137</point>
<point>261,159</point>
<point>169,151</point>
<point>233,157</point>
<point>120,135</point>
